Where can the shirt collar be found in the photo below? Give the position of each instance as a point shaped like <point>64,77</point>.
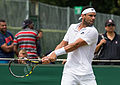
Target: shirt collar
<point>76,28</point>
<point>105,35</point>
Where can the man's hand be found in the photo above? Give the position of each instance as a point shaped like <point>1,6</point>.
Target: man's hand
<point>45,60</point>
<point>48,59</point>
<point>52,57</point>
<point>21,60</point>
<point>103,41</point>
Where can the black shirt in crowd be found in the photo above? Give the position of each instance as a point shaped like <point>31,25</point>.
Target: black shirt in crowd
<point>111,49</point>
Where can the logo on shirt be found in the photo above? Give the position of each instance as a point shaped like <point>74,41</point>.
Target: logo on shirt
<point>82,32</point>
<point>8,40</point>
<point>116,42</point>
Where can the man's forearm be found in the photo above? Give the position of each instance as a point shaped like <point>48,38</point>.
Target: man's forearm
<point>98,47</point>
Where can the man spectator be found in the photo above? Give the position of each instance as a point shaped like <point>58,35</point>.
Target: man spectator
<point>108,45</point>
<point>26,39</point>
<point>6,42</point>
<point>40,35</point>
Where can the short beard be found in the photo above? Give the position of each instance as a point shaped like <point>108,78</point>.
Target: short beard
<point>87,24</point>
<point>3,32</point>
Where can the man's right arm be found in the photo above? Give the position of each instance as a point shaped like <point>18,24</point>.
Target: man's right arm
<point>62,44</point>
<point>103,41</point>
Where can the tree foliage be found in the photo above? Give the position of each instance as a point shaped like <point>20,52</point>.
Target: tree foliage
<point>103,6</point>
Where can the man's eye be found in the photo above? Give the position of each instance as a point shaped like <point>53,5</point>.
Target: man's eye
<point>92,15</point>
<point>3,25</point>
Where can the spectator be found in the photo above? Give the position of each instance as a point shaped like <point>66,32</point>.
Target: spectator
<point>26,39</point>
<point>108,45</point>
<point>6,42</point>
<point>22,53</point>
<point>40,34</point>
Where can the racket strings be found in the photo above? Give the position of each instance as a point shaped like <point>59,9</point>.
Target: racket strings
<point>20,68</point>
<point>17,69</point>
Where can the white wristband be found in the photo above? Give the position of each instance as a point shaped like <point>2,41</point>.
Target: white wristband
<point>50,53</point>
<point>60,51</point>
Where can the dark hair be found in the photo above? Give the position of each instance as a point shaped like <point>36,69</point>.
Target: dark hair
<point>26,23</point>
<point>1,20</point>
<point>85,8</point>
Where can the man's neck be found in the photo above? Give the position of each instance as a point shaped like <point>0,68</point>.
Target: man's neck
<point>111,35</point>
<point>82,26</point>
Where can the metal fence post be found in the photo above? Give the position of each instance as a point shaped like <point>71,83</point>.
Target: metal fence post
<point>68,16</point>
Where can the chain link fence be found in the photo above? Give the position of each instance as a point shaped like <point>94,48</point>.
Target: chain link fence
<point>47,17</point>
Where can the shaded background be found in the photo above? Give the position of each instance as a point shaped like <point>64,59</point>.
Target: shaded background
<point>54,17</point>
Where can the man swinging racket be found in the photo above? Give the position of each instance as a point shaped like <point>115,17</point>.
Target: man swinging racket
<point>79,43</point>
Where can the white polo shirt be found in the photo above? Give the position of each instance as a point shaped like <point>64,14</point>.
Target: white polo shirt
<point>79,61</point>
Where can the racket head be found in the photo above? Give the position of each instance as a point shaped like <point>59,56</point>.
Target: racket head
<point>21,68</point>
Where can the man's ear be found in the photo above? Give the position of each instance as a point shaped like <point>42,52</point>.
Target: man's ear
<point>82,15</point>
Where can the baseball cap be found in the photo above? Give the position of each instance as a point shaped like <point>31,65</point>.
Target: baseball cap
<point>109,22</point>
<point>27,22</point>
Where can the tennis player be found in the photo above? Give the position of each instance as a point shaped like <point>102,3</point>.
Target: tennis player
<point>79,42</point>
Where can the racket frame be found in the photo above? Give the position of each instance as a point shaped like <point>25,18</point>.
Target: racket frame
<point>29,73</point>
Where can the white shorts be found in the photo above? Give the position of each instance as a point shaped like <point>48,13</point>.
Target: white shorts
<point>72,79</point>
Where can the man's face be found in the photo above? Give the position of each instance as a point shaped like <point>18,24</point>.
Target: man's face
<point>3,27</point>
<point>89,18</point>
<point>110,28</point>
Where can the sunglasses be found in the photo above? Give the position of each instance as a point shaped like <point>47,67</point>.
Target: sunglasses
<point>110,25</point>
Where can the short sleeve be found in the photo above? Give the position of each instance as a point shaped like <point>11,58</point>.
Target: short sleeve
<point>15,40</point>
<point>99,39</point>
<point>11,34</point>
<point>90,36</point>
<point>66,37</point>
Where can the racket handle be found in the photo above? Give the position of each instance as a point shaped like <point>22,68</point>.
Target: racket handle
<point>40,62</point>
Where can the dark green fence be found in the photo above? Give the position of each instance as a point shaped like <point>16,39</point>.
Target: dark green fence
<point>51,75</point>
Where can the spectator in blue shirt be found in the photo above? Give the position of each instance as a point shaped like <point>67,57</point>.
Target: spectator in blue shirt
<point>6,42</point>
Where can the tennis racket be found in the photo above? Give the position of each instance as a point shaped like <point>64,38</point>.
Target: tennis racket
<point>21,68</point>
